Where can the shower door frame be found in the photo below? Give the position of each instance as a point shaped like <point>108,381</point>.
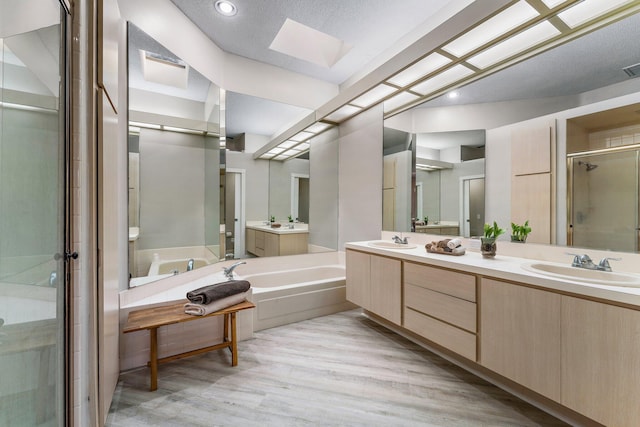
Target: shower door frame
<point>570,186</point>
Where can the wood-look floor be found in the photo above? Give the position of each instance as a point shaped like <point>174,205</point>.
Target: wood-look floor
<point>337,370</point>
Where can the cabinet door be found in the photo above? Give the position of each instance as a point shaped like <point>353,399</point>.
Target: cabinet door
<point>386,288</point>
<point>520,335</point>
<point>601,361</point>
<point>250,240</point>
<point>271,244</point>
<point>358,281</point>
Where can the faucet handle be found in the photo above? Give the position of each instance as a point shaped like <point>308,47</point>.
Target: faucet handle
<point>576,259</point>
<point>604,263</point>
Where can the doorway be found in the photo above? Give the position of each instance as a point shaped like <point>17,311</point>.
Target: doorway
<point>472,206</point>
<point>235,213</point>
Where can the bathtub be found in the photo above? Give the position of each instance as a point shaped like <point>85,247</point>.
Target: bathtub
<point>159,267</point>
<point>288,296</point>
<point>282,295</point>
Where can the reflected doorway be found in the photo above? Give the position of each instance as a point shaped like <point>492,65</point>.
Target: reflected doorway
<point>234,213</point>
<point>472,216</point>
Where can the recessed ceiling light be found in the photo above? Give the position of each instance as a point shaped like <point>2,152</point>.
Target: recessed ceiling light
<point>453,95</point>
<point>226,8</point>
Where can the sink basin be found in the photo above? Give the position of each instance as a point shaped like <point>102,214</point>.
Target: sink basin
<point>583,275</point>
<point>384,244</point>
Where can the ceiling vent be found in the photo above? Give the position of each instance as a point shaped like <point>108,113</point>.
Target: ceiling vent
<point>632,70</point>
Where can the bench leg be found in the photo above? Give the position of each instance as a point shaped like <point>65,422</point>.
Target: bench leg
<point>153,358</point>
<point>234,341</point>
<point>225,336</point>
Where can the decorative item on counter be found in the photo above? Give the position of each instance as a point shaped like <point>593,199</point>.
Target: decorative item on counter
<point>290,218</point>
<point>426,220</point>
<point>272,219</point>
<point>519,233</point>
<point>488,242</point>
<point>446,247</point>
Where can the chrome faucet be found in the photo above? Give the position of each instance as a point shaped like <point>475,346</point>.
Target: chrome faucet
<point>228,271</point>
<point>398,240</point>
<point>603,265</point>
<point>190,264</point>
<point>583,261</point>
<point>53,278</point>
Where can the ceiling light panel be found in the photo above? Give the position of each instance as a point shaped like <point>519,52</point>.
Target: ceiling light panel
<point>301,136</point>
<point>373,96</point>
<point>281,157</point>
<point>398,101</point>
<point>514,45</point>
<point>491,29</point>
<point>292,152</point>
<point>589,9</point>
<point>276,150</point>
<point>163,70</point>
<point>443,79</point>
<point>267,156</point>
<point>419,70</point>
<point>318,127</point>
<point>552,3</point>
<point>304,146</point>
<point>343,113</point>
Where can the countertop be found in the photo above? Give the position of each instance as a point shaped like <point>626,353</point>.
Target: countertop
<point>507,268</point>
<point>284,229</point>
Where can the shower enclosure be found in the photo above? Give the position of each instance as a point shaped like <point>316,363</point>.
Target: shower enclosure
<point>603,200</point>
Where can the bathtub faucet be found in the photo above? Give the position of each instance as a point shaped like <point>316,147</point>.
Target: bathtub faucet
<point>190,264</point>
<point>228,271</point>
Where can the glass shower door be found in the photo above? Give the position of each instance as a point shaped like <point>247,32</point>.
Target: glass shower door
<point>32,214</point>
<point>603,214</point>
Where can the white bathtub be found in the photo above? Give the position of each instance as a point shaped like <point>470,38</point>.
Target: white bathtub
<point>282,295</point>
<point>288,296</point>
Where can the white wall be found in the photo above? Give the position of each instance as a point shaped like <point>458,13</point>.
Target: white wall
<point>323,200</point>
<point>171,189</point>
<point>257,185</point>
<point>360,177</point>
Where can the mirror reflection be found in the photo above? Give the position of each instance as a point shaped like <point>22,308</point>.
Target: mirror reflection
<point>174,164</point>
<point>545,120</point>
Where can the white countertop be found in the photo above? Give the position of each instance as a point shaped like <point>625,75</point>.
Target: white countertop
<point>284,229</point>
<point>507,268</point>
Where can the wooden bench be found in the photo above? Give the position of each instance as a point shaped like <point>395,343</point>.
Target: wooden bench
<point>153,318</point>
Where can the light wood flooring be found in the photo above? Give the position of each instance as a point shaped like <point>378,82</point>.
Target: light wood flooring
<point>337,370</point>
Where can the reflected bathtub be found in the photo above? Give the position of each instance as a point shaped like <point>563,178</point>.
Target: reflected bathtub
<point>174,265</point>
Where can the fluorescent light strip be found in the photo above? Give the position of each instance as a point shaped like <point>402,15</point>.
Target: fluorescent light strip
<point>292,152</point>
<point>304,146</point>
<point>182,130</point>
<point>514,45</point>
<point>145,125</point>
<point>373,96</point>
<point>267,156</point>
<point>301,136</point>
<point>275,150</point>
<point>443,79</point>
<point>288,144</point>
<point>588,10</point>
<point>343,112</point>
<point>419,69</point>
<point>493,28</point>
<point>399,100</point>
<point>281,157</point>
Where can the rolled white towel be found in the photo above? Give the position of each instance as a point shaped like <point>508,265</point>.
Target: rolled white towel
<point>454,243</point>
<point>204,309</point>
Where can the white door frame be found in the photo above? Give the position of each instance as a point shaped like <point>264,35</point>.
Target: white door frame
<point>419,202</point>
<point>239,226</point>
<point>295,192</point>
<point>463,203</point>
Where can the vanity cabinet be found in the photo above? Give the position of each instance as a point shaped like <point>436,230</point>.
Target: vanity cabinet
<point>374,283</point>
<point>601,361</point>
<point>264,243</point>
<point>520,335</point>
<point>440,305</point>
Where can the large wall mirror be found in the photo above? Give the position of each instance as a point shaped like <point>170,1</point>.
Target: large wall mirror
<point>196,194</point>
<point>583,92</point>
<point>174,164</point>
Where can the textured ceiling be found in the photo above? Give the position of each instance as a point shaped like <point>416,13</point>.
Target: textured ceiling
<point>371,26</point>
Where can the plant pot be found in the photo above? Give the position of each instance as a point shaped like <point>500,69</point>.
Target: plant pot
<point>518,239</point>
<point>488,247</point>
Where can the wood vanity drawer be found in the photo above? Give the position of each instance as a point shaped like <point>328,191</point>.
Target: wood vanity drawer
<point>450,337</point>
<point>452,283</point>
<point>450,309</point>
<point>259,237</point>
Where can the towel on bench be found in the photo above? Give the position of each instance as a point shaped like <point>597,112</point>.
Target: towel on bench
<point>204,309</point>
<point>208,294</point>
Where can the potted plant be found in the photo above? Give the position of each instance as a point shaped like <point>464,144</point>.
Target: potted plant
<point>488,241</point>
<point>519,233</point>
<point>290,218</point>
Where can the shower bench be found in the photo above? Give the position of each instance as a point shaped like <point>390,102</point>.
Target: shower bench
<point>152,318</point>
